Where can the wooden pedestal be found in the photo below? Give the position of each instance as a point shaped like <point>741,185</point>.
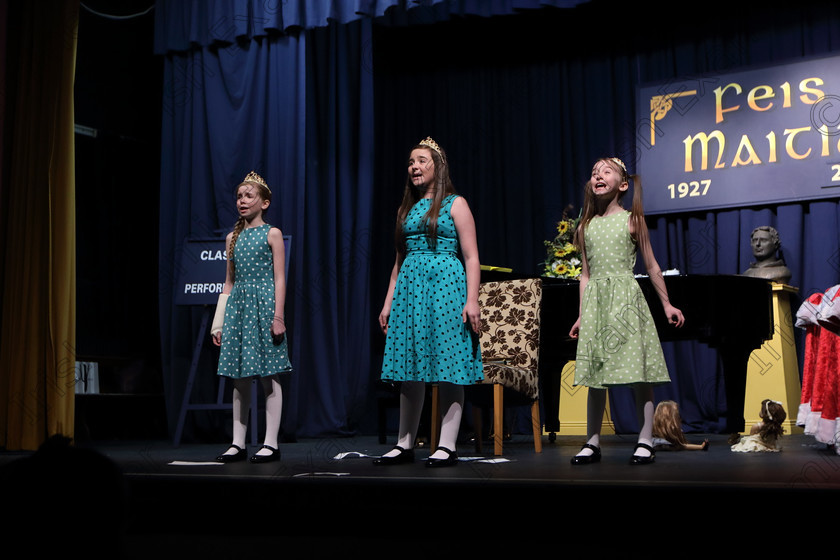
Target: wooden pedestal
<point>773,369</point>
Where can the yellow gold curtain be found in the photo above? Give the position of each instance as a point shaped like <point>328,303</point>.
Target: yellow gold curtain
<point>38,322</point>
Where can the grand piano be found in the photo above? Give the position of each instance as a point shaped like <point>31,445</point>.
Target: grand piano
<point>731,313</point>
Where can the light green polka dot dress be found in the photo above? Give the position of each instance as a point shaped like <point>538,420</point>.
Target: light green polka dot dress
<point>618,343</point>
<point>248,349</point>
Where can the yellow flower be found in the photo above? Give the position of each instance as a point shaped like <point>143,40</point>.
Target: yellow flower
<point>562,257</point>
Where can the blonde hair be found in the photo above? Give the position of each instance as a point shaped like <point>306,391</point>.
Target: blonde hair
<point>667,423</point>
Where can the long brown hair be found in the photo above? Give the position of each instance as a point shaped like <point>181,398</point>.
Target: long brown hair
<point>590,208</point>
<point>265,194</point>
<point>667,423</point>
<point>443,188</point>
<point>773,416</point>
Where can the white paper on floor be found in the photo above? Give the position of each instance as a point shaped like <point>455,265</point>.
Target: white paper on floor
<point>353,455</point>
<point>194,463</point>
<point>322,474</point>
<point>357,454</point>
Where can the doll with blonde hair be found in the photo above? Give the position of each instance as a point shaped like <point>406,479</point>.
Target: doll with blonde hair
<point>764,435</point>
<point>667,429</point>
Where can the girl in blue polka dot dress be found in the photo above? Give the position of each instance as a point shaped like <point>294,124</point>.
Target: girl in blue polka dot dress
<point>618,343</point>
<point>249,324</point>
<point>431,316</point>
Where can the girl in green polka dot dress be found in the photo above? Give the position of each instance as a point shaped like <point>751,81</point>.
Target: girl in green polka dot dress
<point>617,340</point>
<point>431,315</point>
<point>249,323</point>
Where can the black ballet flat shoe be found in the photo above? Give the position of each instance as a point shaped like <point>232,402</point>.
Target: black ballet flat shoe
<point>405,456</point>
<point>595,457</point>
<point>637,460</point>
<point>452,459</point>
<point>232,457</point>
<point>274,456</point>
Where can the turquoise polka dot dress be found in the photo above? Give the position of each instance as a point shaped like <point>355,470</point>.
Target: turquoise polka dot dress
<point>248,349</point>
<point>427,339</point>
<point>617,343</point>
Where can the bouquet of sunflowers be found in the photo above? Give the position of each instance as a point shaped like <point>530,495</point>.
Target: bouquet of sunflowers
<point>562,257</point>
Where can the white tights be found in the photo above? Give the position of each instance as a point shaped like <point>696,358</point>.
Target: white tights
<point>596,404</point>
<point>412,396</point>
<point>242,408</point>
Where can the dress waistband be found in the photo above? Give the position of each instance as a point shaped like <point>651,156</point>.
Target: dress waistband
<point>442,252</point>
<point>610,276</point>
<point>251,282</point>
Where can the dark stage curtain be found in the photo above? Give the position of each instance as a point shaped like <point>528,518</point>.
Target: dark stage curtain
<point>181,25</point>
<point>295,108</point>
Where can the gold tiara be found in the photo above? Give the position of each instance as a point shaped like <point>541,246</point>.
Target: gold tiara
<point>253,177</point>
<point>619,162</point>
<point>428,142</point>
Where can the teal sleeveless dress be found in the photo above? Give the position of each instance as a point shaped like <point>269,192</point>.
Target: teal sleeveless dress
<point>617,343</point>
<point>248,349</point>
<point>427,339</point>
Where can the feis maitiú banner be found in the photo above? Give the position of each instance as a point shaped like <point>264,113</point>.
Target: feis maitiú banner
<point>759,136</point>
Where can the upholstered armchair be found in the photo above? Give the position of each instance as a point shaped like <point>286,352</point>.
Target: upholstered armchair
<point>510,345</point>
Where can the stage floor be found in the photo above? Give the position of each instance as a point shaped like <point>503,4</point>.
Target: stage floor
<point>327,498</point>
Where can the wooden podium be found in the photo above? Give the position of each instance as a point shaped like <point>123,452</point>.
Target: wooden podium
<point>773,369</point>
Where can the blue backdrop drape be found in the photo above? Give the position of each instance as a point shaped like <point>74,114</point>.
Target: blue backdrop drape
<point>326,103</point>
<point>298,114</point>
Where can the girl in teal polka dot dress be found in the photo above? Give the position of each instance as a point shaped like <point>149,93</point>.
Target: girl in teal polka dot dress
<point>617,340</point>
<point>431,315</point>
<point>249,324</point>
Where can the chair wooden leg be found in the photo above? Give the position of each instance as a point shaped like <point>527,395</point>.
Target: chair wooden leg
<point>435,421</point>
<point>537,425</point>
<point>498,418</point>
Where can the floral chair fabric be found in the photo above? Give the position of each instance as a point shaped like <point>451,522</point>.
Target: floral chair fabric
<point>510,333</point>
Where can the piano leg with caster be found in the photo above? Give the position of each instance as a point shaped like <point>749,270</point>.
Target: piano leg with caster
<point>550,378</point>
<point>735,362</point>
